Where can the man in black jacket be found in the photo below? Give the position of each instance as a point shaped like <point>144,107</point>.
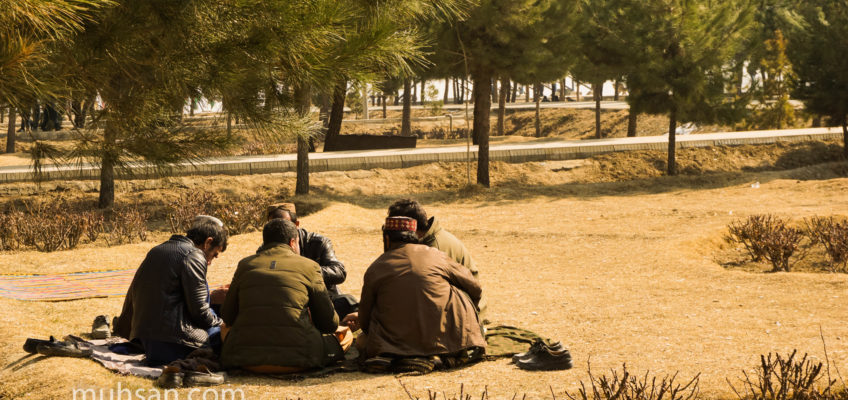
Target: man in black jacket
<point>320,249</point>
<point>167,305</point>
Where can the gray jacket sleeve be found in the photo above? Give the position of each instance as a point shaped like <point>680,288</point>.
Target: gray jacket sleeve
<point>196,292</point>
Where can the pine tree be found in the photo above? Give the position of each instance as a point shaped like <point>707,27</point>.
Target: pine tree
<point>817,50</point>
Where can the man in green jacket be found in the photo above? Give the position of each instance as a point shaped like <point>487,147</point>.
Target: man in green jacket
<point>280,316</point>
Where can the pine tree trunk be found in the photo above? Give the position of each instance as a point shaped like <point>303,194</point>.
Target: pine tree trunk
<point>553,90</point>
<point>107,166</point>
<point>383,97</point>
<point>10,131</point>
<point>447,87</point>
<point>502,104</point>
<point>482,109</point>
<point>672,142</point>
<point>537,97</point>
<point>334,125</point>
<point>577,89</point>
<point>494,84</point>
<point>845,137</point>
<point>423,91</point>
<point>406,116</point>
<point>514,96</point>
<point>632,120</point>
<point>302,97</point>
<point>598,93</point>
<point>365,114</point>
<point>617,88</point>
<point>526,93</point>
<point>562,90</point>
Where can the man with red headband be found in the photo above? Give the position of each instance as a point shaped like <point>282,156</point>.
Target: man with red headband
<point>417,306</point>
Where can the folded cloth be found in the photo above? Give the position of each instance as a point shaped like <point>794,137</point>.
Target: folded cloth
<point>124,364</point>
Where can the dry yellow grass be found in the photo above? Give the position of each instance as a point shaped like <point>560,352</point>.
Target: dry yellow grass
<point>620,272</point>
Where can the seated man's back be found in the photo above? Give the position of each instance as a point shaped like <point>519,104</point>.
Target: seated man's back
<point>418,302</point>
<point>278,309</point>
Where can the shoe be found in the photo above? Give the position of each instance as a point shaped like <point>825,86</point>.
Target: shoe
<point>31,344</point>
<point>377,365</point>
<point>535,348</point>
<point>546,360</point>
<point>419,365</point>
<point>100,328</point>
<point>203,377</point>
<point>171,378</point>
<point>62,349</point>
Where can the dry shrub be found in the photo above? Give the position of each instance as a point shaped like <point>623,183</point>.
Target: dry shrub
<point>127,225</point>
<point>778,378</point>
<point>239,215</point>
<point>832,234</point>
<point>626,386</point>
<point>189,205</point>
<point>767,237</point>
<point>50,225</point>
<point>245,214</point>
<point>10,235</point>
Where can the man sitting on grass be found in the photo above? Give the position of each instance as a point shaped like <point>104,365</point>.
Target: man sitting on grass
<point>167,304</point>
<point>431,233</point>
<point>417,309</point>
<point>319,248</point>
<point>281,318</point>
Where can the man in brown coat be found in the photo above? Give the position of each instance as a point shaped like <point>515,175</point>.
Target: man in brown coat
<point>416,302</point>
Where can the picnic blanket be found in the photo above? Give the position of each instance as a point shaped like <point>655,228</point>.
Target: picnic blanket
<point>61,287</point>
<point>503,341</point>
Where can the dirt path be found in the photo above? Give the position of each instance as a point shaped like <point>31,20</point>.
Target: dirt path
<point>620,272</point>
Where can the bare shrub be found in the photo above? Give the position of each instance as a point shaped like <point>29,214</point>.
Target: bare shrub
<point>50,225</point>
<point>832,234</point>
<point>94,225</point>
<point>767,237</point>
<point>127,225</point>
<point>10,235</point>
<point>778,378</point>
<point>627,386</point>
<point>189,205</point>
<point>245,214</point>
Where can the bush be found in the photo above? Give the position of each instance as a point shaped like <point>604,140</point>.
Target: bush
<point>627,386</point>
<point>778,378</point>
<point>832,234</point>
<point>10,235</point>
<point>189,205</point>
<point>244,215</point>
<point>128,225</point>
<point>767,237</point>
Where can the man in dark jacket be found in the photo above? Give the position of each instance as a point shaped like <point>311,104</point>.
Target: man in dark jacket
<point>319,248</point>
<point>280,316</point>
<point>167,304</point>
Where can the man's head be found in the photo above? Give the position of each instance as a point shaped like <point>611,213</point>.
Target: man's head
<point>411,209</point>
<point>209,235</point>
<point>398,231</point>
<point>285,211</point>
<point>281,231</point>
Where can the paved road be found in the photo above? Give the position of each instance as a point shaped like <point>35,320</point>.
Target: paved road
<point>403,158</point>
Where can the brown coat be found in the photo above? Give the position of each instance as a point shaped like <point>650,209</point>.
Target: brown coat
<point>418,302</point>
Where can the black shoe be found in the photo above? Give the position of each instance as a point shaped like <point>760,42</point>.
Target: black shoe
<point>31,344</point>
<point>420,365</point>
<point>535,348</point>
<point>100,328</point>
<point>171,378</point>
<point>547,360</point>
<point>377,365</point>
<point>62,349</point>
<point>203,377</point>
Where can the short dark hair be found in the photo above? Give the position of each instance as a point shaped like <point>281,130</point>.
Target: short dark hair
<point>402,237</point>
<point>280,212</point>
<point>204,227</point>
<point>412,209</point>
<point>278,230</point>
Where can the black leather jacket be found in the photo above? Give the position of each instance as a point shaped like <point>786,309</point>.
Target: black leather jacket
<point>320,249</point>
<point>168,297</point>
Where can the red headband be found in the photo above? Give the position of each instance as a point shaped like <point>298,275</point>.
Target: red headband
<point>403,224</point>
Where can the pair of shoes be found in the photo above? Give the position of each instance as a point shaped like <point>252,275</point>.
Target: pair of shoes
<point>100,328</point>
<point>546,359</point>
<point>60,349</point>
<point>174,377</point>
<point>536,347</point>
